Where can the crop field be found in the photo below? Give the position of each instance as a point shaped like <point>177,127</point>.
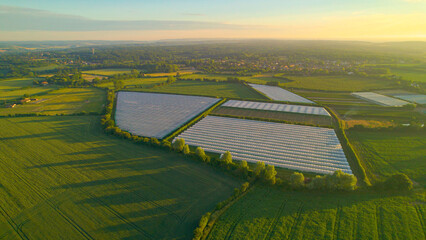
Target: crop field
<point>318,120</point>
<point>279,94</point>
<point>62,101</point>
<point>135,82</point>
<point>63,178</point>
<point>46,68</point>
<point>107,72</point>
<point>257,79</point>
<point>328,98</point>
<point>11,89</point>
<point>155,114</point>
<point>266,213</point>
<point>303,148</point>
<point>380,99</point>
<point>338,83</point>
<point>353,112</point>
<point>277,107</point>
<point>386,153</point>
<point>212,89</point>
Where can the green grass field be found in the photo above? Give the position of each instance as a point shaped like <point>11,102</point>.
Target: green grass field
<point>136,82</point>
<point>337,83</point>
<point>214,89</point>
<point>411,72</point>
<point>108,71</point>
<point>63,101</point>
<point>258,79</point>
<point>15,88</point>
<point>386,153</point>
<point>63,178</point>
<point>46,68</point>
<point>272,214</point>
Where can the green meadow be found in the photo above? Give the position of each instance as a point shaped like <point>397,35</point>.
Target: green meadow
<point>63,178</point>
<point>267,213</point>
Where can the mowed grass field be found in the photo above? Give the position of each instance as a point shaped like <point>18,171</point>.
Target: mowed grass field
<point>63,178</point>
<point>337,83</point>
<point>62,101</point>
<point>385,153</point>
<point>266,213</point>
<point>213,89</point>
<point>136,82</point>
<point>11,89</point>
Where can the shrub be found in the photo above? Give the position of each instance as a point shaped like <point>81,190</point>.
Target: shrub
<point>178,144</point>
<point>260,168</point>
<point>244,187</point>
<point>270,174</point>
<point>297,180</point>
<point>341,181</point>
<point>166,144</point>
<point>398,182</point>
<point>199,152</point>
<point>226,158</point>
<point>186,150</point>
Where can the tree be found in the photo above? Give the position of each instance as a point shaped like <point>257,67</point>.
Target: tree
<point>297,180</point>
<point>166,144</point>
<point>318,182</point>
<point>260,167</point>
<point>244,187</point>
<point>178,144</point>
<point>118,84</point>
<point>199,152</point>
<point>171,79</point>
<point>243,168</point>
<point>341,181</point>
<point>398,182</point>
<point>270,174</point>
<point>226,157</point>
<point>186,150</point>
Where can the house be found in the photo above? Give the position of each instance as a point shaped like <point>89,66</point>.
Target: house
<point>12,105</point>
<point>44,83</point>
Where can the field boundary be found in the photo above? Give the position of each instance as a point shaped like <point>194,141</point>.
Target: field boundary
<point>352,156</point>
<point>193,120</point>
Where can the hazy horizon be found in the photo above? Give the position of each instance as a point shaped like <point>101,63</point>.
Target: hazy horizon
<point>130,20</point>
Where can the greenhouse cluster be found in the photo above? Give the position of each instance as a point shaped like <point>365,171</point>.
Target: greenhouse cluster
<point>279,94</point>
<point>278,107</point>
<point>296,147</point>
<point>157,115</point>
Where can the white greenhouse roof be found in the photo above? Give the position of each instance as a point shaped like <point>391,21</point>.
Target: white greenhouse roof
<point>279,94</point>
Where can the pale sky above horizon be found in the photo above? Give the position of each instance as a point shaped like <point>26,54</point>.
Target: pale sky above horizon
<point>374,20</point>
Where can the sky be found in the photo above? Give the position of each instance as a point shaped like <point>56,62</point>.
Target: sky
<point>143,20</point>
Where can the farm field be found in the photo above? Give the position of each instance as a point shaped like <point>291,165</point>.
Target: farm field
<point>63,178</point>
<point>354,112</point>
<point>107,71</point>
<point>266,213</point>
<point>277,107</point>
<point>155,114</point>
<point>380,99</point>
<point>46,68</point>
<point>385,153</point>
<point>62,101</point>
<point>337,83</point>
<point>280,116</point>
<point>332,97</point>
<point>411,72</point>
<point>11,89</point>
<point>135,82</point>
<point>212,89</point>
<point>302,148</point>
<point>258,79</point>
<point>279,94</point>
